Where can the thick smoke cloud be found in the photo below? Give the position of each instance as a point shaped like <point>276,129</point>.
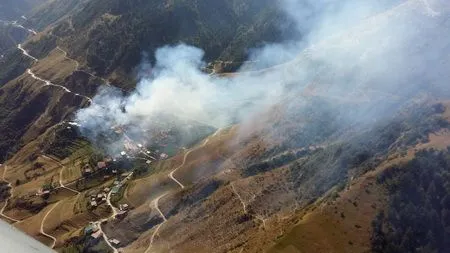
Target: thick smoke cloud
<point>178,87</point>
<point>339,58</point>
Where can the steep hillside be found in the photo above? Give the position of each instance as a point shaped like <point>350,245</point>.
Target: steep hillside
<point>10,37</point>
<point>115,33</point>
<point>107,38</point>
<point>327,166</point>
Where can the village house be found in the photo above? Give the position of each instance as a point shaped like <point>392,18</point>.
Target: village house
<point>114,241</point>
<point>41,192</point>
<point>91,228</point>
<point>115,189</point>
<point>101,165</point>
<point>123,207</point>
<point>100,196</point>
<point>97,234</point>
<point>86,170</point>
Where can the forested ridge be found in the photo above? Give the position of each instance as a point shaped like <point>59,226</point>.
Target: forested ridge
<point>418,215</point>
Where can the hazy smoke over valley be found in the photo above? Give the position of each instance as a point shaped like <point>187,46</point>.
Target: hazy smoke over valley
<point>339,58</point>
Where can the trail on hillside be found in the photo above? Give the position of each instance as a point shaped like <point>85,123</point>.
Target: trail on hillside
<point>77,66</point>
<point>24,52</point>
<point>48,83</point>
<point>171,176</point>
<point>239,197</point>
<point>155,203</point>
<point>15,24</point>
<point>11,192</point>
<point>42,225</point>
<point>61,184</point>
<point>105,237</point>
<point>244,206</point>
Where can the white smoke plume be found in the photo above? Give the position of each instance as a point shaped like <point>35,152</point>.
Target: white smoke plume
<point>178,87</point>
<point>344,55</point>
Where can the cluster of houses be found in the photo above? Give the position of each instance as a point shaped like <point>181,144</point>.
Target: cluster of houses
<point>101,166</point>
<point>131,148</point>
<point>87,169</point>
<point>102,196</point>
<point>99,198</point>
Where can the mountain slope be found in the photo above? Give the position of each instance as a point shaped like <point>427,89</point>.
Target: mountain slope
<point>304,170</point>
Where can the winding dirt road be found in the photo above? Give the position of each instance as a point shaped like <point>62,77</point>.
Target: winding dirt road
<point>113,208</point>
<point>171,176</point>
<point>11,191</point>
<point>61,184</point>
<point>77,66</point>
<point>43,222</point>
<point>24,52</point>
<point>182,164</point>
<point>15,24</point>
<point>113,216</point>
<point>105,237</point>
<point>48,83</point>
<point>155,203</point>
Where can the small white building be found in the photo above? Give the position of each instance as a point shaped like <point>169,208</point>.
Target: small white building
<point>114,241</point>
<point>123,207</point>
<point>97,234</point>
